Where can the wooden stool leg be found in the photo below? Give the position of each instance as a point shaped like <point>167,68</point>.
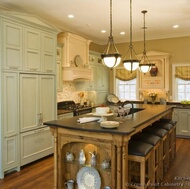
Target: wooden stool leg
<point>161,171</point>
<point>142,174</point>
<point>151,170</point>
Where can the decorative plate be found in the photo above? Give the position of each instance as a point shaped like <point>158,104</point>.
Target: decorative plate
<point>110,96</point>
<point>115,99</point>
<point>88,178</point>
<point>109,124</point>
<point>78,61</point>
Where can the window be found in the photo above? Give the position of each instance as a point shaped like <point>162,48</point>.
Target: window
<point>181,82</point>
<point>182,89</point>
<point>126,89</point>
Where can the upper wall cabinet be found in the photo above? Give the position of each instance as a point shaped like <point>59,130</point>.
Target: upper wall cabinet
<point>39,51</point>
<point>12,43</point>
<point>28,48</point>
<point>157,78</point>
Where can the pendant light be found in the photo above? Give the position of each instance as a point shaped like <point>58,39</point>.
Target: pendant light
<point>111,57</point>
<point>145,64</point>
<point>132,63</point>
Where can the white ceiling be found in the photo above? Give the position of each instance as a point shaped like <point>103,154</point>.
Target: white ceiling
<point>92,16</point>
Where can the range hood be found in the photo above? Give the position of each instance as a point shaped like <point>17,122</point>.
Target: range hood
<point>71,74</point>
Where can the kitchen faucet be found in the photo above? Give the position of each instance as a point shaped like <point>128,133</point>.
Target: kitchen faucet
<point>128,102</point>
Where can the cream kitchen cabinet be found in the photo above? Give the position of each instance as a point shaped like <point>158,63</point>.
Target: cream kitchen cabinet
<point>182,116</point>
<point>35,144</point>
<point>12,46</point>
<point>39,55</point>
<point>91,84</point>
<point>37,100</point>
<point>10,132</point>
<point>28,45</point>
<point>28,49</point>
<point>102,78</point>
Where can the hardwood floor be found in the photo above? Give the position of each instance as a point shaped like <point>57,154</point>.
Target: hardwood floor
<point>39,175</point>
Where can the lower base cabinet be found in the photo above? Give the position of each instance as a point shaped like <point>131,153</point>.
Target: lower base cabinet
<point>11,160</point>
<point>182,116</point>
<point>36,144</point>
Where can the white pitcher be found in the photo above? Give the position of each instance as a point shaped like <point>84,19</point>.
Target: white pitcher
<point>82,157</point>
<point>69,184</point>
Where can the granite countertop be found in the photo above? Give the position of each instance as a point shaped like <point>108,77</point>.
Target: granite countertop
<point>128,126</point>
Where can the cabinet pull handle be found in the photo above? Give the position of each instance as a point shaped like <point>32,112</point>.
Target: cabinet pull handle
<point>49,71</point>
<point>13,67</point>
<point>33,69</point>
<point>10,136</point>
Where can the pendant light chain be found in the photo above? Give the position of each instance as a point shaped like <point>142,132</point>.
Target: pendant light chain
<point>131,32</point>
<point>144,27</point>
<point>111,18</point>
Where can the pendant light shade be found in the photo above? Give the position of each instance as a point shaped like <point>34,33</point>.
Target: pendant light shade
<point>145,64</point>
<point>111,57</point>
<point>130,60</point>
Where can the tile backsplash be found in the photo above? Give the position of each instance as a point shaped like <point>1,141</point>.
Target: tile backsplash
<point>70,92</point>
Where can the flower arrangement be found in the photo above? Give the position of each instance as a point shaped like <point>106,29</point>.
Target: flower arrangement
<point>153,96</point>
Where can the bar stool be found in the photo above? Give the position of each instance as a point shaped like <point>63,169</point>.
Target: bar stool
<point>141,159</point>
<point>170,126</point>
<point>155,141</point>
<point>164,145</point>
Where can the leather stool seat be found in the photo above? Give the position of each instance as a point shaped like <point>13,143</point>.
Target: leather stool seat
<point>167,121</point>
<point>138,148</point>
<point>166,126</point>
<point>156,131</point>
<point>147,138</point>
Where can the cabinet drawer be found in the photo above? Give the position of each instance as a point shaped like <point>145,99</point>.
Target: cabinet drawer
<point>36,144</point>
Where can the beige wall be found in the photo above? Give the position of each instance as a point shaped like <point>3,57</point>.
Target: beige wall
<point>179,49</point>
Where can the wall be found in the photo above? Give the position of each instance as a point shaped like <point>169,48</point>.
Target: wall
<point>178,48</point>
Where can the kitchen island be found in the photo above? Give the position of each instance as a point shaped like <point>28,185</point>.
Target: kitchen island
<point>107,144</point>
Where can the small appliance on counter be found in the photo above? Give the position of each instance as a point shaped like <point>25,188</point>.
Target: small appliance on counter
<point>70,108</point>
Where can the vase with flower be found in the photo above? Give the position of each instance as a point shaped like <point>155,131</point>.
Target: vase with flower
<point>153,96</point>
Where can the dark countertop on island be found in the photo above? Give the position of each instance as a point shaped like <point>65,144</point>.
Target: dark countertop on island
<point>150,114</point>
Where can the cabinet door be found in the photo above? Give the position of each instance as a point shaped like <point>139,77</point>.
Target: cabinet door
<point>102,78</point>
<point>11,152</point>
<point>90,85</point>
<point>36,144</point>
<point>48,53</point>
<point>184,122</point>
<point>32,50</point>
<point>12,43</point>
<point>47,98</point>
<point>10,104</point>
<point>29,102</point>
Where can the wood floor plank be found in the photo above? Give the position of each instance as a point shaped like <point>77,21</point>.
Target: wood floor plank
<point>39,175</point>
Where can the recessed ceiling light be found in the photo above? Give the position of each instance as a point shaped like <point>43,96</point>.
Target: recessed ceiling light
<point>175,26</point>
<point>122,33</point>
<point>103,31</point>
<point>70,16</point>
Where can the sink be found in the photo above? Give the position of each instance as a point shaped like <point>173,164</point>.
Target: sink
<point>134,110</point>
